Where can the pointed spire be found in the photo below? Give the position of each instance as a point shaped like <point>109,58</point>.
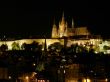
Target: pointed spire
<point>63,14</point>
<point>72,23</point>
<point>63,17</point>
<point>54,25</point>
<point>54,30</point>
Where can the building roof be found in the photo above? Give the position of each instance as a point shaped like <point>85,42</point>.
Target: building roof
<point>81,31</point>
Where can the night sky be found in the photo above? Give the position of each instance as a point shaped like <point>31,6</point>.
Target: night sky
<point>36,17</point>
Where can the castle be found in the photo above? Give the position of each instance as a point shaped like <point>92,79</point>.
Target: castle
<point>65,31</point>
<point>75,35</point>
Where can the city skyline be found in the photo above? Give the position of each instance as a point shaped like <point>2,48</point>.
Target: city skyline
<point>36,18</point>
<point>54,41</point>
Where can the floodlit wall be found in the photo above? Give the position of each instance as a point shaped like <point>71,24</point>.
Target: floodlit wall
<point>102,49</point>
<point>29,41</point>
<point>83,42</point>
<point>97,43</point>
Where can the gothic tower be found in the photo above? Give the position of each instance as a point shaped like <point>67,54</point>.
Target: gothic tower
<point>72,23</point>
<point>54,31</point>
<point>62,27</point>
<point>66,30</point>
<point>73,28</point>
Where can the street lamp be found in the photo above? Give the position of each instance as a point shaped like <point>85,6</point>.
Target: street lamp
<point>106,80</point>
<point>9,77</point>
<point>27,78</point>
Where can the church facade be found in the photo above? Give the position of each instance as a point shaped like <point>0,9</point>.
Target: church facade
<point>63,30</point>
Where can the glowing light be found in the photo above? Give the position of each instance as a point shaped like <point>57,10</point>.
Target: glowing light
<point>91,71</point>
<point>41,80</point>
<point>9,77</point>
<point>34,64</point>
<point>64,71</point>
<point>96,52</point>
<point>35,73</point>
<point>106,79</point>
<point>87,80</point>
<point>72,81</point>
<point>26,77</point>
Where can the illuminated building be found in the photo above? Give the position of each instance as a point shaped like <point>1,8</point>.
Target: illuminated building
<point>58,34</point>
<point>74,35</point>
<point>65,31</point>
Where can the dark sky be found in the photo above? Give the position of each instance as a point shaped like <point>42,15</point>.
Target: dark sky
<point>36,17</point>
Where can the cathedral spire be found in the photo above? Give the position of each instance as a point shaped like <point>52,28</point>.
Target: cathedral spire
<point>72,23</point>
<point>63,17</point>
<point>62,26</point>
<point>54,30</point>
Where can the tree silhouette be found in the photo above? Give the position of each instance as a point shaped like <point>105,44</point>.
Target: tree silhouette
<point>23,46</point>
<point>35,46</point>
<point>15,46</point>
<point>55,46</point>
<point>4,47</point>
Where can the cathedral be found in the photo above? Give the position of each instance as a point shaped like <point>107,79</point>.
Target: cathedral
<point>63,30</point>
